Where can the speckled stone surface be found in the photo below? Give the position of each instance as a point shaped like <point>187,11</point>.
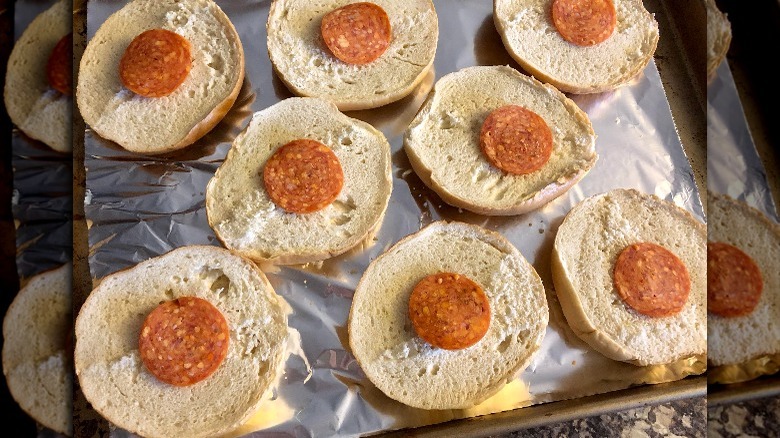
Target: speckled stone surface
<point>682,418</point>
<point>758,418</point>
<point>753,418</point>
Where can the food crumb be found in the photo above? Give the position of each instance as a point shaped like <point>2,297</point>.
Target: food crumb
<point>574,362</point>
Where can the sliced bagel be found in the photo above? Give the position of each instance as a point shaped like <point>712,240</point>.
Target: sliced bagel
<point>35,107</point>
<point>247,220</point>
<point>114,376</point>
<point>305,64</point>
<point>751,329</point>
<point>592,239</point>
<point>36,360</point>
<point>443,142</point>
<point>153,125</point>
<point>407,368</point>
<point>532,38</point>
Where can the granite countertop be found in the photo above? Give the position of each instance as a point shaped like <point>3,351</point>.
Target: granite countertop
<point>681,418</point>
<point>752,418</point>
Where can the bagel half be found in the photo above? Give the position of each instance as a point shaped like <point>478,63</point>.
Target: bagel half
<point>741,339</point>
<point>36,362</point>
<point>586,248</point>
<point>530,36</point>
<point>408,369</point>
<point>305,65</point>
<point>161,124</point>
<point>443,141</point>
<point>113,377</point>
<point>246,220</point>
<point>40,111</point>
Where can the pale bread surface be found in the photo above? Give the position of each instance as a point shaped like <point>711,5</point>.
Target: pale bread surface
<point>740,339</point>
<point>408,369</point>
<point>36,364</point>
<point>118,385</point>
<point>442,141</point>
<point>528,32</point>
<point>245,218</point>
<point>40,111</point>
<point>307,67</point>
<point>161,124</point>
<point>586,247</point>
<point>718,37</point>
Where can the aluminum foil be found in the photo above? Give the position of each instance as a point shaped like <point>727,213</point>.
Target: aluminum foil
<point>734,167</point>
<point>139,207</point>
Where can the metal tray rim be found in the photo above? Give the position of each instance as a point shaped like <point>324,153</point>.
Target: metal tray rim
<point>563,410</point>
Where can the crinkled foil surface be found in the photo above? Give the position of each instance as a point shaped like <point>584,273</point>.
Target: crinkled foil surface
<point>139,207</point>
<point>42,206</point>
<point>734,167</point>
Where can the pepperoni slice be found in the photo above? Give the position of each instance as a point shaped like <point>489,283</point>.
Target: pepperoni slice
<point>516,140</point>
<point>303,176</point>
<point>584,22</point>
<point>59,70</point>
<point>734,282</point>
<point>183,341</point>
<point>652,280</point>
<point>449,311</point>
<point>155,63</point>
<point>358,33</point>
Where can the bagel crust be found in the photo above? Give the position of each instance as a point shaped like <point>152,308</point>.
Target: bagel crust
<point>112,374</point>
<point>154,125</point>
<point>739,340</point>
<point>36,360</point>
<point>587,245</point>
<point>247,220</point>
<point>443,142</point>
<point>306,66</point>
<point>37,109</point>
<point>531,38</point>
<point>408,369</point>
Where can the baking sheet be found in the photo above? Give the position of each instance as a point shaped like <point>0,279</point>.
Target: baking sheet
<point>734,167</point>
<point>138,207</point>
<point>42,199</point>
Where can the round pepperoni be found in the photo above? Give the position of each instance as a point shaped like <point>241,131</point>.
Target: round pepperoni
<point>183,341</point>
<point>303,176</point>
<point>358,33</point>
<point>584,22</point>
<point>516,140</point>
<point>59,70</point>
<point>652,280</point>
<point>734,282</point>
<point>155,63</point>
<point>449,311</point>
